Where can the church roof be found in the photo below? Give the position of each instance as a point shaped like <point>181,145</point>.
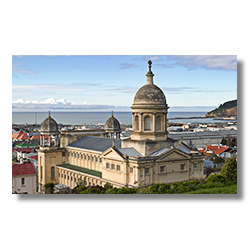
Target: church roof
<point>129,152</point>
<point>95,143</point>
<point>112,124</point>
<point>49,125</point>
<point>159,151</point>
<point>150,94</point>
<point>81,169</point>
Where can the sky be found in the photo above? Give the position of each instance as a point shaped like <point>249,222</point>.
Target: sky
<point>110,82</point>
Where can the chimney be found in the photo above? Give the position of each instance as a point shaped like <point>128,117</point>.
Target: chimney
<point>218,146</point>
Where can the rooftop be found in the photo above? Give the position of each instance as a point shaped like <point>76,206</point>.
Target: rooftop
<point>81,169</point>
<point>95,143</point>
<point>23,169</point>
<point>129,152</point>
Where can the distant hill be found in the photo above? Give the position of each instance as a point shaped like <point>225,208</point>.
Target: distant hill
<point>224,110</point>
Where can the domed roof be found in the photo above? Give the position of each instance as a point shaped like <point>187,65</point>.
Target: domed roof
<point>150,94</point>
<point>112,124</point>
<point>49,125</point>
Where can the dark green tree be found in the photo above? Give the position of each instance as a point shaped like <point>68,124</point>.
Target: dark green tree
<point>49,188</point>
<point>230,169</point>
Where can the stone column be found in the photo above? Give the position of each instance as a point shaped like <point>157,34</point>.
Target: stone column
<point>141,122</point>
<point>164,123</point>
<point>153,123</point>
<point>143,174</point>
<point>152,174</point>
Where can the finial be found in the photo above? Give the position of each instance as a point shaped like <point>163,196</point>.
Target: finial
<point>149,68</point>
<point>113,143</point>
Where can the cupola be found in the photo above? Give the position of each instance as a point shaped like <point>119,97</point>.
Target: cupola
<point>149,111</point>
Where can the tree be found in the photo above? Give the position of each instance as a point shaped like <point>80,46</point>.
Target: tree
<point>223,141</point>
<point>230,169</point>
<point>216,159</point>
<point>49,188</point>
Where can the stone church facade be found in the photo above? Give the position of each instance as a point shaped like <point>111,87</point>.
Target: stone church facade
<point>147,157</point>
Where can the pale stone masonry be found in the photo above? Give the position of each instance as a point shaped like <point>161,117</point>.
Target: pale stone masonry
<point>148,157</point>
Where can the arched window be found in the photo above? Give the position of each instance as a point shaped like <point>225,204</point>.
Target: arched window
<point>52,173</point>
<point>136,122</point>
<point>147,123</point>
<point>158,123</point>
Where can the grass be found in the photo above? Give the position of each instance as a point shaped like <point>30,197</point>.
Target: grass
<point>232,189</point>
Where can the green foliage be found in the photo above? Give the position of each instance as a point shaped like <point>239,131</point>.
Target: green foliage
<point>230,169</point>
<point>49,188</point>
<point>224,141</point>
<point>231,189</point>
<point>217,178</point>
<point>108,186</point>
<point>160,188</point>
<point>216,159</point>
<point>93,190</point>
<point>122,190</point>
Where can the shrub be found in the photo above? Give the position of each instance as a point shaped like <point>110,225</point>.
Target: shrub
<point>49,188</point>
<point>230,169</point>
<point>93,190</point>
<point>160,188</point>
<point>107,186</point>
<point>217,178</point>
<point>122,190</point>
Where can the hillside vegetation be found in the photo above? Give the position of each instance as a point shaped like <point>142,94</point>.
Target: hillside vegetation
<point>224,110</point>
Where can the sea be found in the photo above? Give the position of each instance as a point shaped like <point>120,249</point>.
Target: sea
<point>92,118</point>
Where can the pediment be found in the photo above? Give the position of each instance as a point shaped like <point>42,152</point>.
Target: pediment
<point>173,155</point>
<point>112,153</point>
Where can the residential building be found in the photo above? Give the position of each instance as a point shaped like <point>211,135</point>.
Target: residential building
<point>24,178</point>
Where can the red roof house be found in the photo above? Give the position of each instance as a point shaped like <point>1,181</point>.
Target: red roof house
<point>20,136</point>
<point>215,149</point>
<point>23,169</point>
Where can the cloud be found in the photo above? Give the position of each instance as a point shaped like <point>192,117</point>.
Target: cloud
<point>191,89</point>
<point>61,105</point>
<point>14,75</point>
<point>126,66</point>
<point>146,58</point>
<point>178,89</point>
<point>227,62</point>
<point>163,65</point>
<point>50,100</point>
<point>125,89</point>
<point>54,87</point>
<point>19,67</point>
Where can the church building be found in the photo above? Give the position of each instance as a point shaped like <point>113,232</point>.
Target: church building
<point>149,156</point>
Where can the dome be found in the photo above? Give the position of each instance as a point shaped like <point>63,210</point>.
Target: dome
<point>49,125</point>
<point>112,124</point>
<point>150,94</point>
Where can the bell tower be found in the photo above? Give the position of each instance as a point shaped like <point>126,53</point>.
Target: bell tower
<point>149,111</point>
<point>49,153</point>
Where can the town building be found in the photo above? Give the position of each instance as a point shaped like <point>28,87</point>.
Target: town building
<point>219,150</point>
<point>24,178</point>
<point>99,156</point>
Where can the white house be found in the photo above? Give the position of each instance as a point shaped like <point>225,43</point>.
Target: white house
<point>24,178</point>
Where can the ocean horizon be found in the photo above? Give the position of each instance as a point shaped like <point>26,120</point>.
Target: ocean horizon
<point>91,118</point>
